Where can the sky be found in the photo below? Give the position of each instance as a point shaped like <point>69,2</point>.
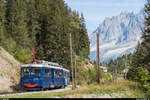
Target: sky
<point>95,11</point>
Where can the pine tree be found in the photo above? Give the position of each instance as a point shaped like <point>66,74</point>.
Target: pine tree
<point>145,46</point>
<point>75,31</point>
<point>33,23</point>
<point>142,55</point>
<point>54,36</point>
<point>2,21</point>
<point>141,58</point>
<point>84,40</point>
<point>45,24</point>
<point>16,22</point>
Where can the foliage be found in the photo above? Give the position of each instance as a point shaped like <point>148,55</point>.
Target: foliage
<point>148,94</point>
<point>142,55</point>
<point>142,75</point>
<point>22,54</point>
<point>45,24</point>
<point>89,75</point>
<point>92,73</point>
<point>121,63</point>
<point>16,26</point>
<point>140,69</point>
<point>2,21</point>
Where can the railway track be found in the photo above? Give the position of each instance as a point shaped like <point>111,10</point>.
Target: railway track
<point>33,92</point>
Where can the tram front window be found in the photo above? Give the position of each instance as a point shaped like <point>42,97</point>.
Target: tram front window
<point>26,71</point>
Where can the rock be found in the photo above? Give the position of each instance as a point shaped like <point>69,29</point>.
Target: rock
<point>9,71</point>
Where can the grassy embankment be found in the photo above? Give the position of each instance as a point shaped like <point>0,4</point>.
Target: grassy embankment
<point>125,88</point>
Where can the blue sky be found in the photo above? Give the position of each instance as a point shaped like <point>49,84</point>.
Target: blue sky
<point>95,11</point>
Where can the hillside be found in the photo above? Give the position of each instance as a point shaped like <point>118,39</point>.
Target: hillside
<point>9,73</point>
<point>31,24</point>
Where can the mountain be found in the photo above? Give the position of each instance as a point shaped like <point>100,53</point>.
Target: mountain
<point>118,36</point>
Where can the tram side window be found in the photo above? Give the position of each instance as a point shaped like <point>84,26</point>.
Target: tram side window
<point>65,74</point>
<point>54,73</point>
<point>57,73</point>
<point>26,71</point>
<point>60,73</point>
<point>47,72</point>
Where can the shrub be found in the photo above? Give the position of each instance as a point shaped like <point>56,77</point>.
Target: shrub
<point>148,94</point>
<point>84,53</point>
<point>92,73</point>
<point>23,55</point>
<point>142,77</point>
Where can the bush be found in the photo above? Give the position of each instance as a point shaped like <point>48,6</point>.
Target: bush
<point>89,76</point>
<point>148,94</point>
<point>23,55</point>
<point>142,76</point>
<point>92,73</point>
<point>131,73</point>
<point>93,76</point>
<point>84,53</point>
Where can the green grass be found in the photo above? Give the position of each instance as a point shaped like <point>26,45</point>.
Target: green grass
<point>127,88</point>
<point>38,95</point>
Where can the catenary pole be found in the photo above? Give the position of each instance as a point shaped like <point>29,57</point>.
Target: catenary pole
<point>98,60</point>
<point>71,61</point>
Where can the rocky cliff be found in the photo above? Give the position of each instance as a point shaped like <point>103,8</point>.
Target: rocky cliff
<point>9,71</point>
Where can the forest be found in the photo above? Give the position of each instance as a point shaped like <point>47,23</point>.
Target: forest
<point>45,24</point>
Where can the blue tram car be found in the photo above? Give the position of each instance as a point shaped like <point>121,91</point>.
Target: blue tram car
<point>43,75</point>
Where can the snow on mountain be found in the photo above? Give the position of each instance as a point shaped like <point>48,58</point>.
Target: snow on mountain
<point>118,35</point>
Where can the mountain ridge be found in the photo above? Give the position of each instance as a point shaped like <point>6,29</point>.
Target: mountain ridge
<point>118,35</point>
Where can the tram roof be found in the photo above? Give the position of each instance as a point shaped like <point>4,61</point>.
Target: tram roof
<point>44,65</point>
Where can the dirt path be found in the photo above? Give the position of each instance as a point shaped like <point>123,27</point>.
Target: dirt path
<point>113,95</point>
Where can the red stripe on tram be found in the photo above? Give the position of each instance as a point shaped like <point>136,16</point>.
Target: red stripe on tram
<point>29,85</point>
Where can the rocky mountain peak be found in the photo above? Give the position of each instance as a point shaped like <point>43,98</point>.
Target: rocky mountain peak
<point>116,33</point>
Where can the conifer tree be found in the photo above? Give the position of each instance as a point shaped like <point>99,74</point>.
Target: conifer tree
<point>84,40</point>
<point>33,23</point>
<point>55,33</point>
<point>75,31</point>
<point>142,55</point>
<point>141,58</point>
<point>45,24</point>
<point>16,21</point>
<point>145,46</point>
<point>2,20</point>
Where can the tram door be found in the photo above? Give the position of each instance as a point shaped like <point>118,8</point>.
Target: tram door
<point>55,77</point>
<point>51,77</point>
<point>46,77</point>
<point>65,78</point>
